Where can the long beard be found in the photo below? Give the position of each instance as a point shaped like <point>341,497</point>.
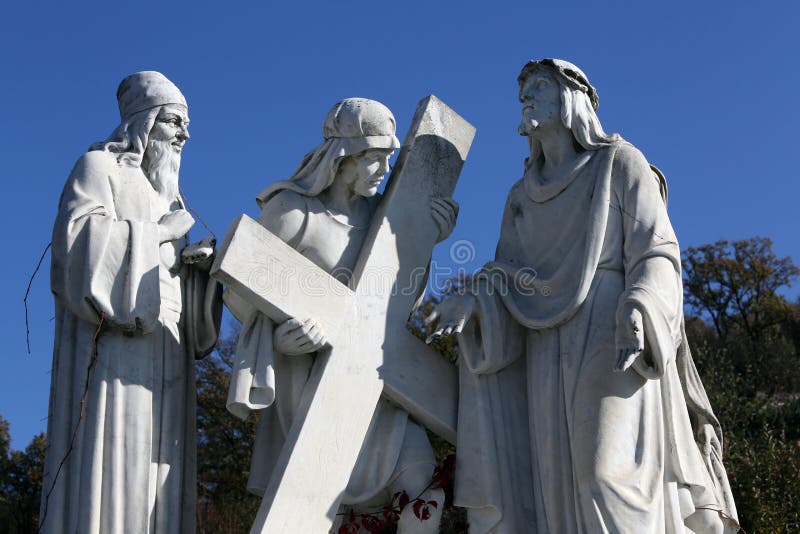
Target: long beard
<point>161,164</point>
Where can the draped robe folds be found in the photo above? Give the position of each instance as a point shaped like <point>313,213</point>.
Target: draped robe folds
<point>272,383</point>
<point>131,467</point>
<point>550,438</point>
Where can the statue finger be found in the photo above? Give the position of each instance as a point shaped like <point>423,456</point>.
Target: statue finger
<point>620,360</point>
<point>460,326</point>
<point>311,328</point>
<point>318,337</point>
<point>292,323</point>
<point>432,316</point>
<point>291,331</point>
<point>443,212</point>
<point>434,335</point>
<point>439,219</point>
<point>308,326</point>
<point>631,357</point>
<point>437,201</point>
<point>448,331</point>
<point>448,207</point>
<point>283,328</point>
<point>456,206</point>
<point>446,202</point>
<point>303,348</point>
<point>318,344</point>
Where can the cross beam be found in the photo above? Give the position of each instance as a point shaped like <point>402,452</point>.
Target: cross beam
<point>371,352</point>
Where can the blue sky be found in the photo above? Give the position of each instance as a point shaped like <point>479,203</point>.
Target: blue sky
<point>707,90</point>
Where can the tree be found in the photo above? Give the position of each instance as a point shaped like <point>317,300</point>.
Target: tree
<point>224,447</point>
<point>744,336</point>
<point>735,286</point>
<point>454,520</point>
<point>20,482</point>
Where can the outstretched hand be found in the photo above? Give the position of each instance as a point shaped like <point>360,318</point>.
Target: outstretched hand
<point>445,212</point>
<point>452,315</point>
<point>630,337</point>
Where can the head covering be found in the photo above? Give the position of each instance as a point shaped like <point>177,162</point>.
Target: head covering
<point>567,72</point>
<point>351,127</point>
<point>146,90</point>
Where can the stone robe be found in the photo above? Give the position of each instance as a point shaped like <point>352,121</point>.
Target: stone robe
<point>550,438</point>
<point>131,468</point>
<point>272,383</point>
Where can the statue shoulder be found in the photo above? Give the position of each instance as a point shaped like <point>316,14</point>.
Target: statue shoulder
<point>285,214</point>
<point>92,171</point>
<point>629,160</point>
<point>99,160</point>
<point>95,165</point>
<point>631,169</point>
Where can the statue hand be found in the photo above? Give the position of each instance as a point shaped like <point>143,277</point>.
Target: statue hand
<point>630,337</point>
<point>200,254</point>
<point>444,211</point>
<point>174,224</point>
<point>296,336</point>
<point>452,314</point>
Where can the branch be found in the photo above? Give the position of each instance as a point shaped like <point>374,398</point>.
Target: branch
<point>194,212</point>
<point>25,299</point>
<point>89,370</point>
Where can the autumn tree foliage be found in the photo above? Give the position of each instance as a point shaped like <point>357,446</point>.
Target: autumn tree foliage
<point>743,332</point>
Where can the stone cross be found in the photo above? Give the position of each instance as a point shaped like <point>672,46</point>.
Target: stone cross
<point>371,352</point>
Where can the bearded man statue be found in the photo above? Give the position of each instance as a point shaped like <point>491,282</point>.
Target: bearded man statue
<point>134,308</point>
<point>580,409</point>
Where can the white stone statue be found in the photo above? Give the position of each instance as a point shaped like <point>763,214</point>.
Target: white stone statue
<point>580,407</point>
<point>134,308</point>
<point>324,211</point>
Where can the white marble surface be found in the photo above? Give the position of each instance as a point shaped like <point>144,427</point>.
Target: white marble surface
<point>120,266</point>
<point>576,381</point>
<point>322,408</point>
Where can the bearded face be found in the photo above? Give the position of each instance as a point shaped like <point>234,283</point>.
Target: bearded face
<point>162,157</point>
<point>540,96</point>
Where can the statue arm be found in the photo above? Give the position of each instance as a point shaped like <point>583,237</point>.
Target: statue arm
<point>651,258</point>
<point>102,265</point>
<point>285,215</point>
<point>203,309</point>
<point>252,384</point>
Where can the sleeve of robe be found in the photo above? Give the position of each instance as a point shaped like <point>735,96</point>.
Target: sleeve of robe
<point>654,287</point>
<point>253,379</point>
<point>651,260</point>
<point>102,265</point>
<point>203,311</point>
<point>491,402</point>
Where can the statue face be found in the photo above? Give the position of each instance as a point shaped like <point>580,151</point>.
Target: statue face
<point>365,171</point>
<point>171,126</point>
<point>541,102</point>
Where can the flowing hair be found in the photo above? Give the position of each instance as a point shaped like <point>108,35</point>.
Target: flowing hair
<point>129,139</point>
<point>578,116</point>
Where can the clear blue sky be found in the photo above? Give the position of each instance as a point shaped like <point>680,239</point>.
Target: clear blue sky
<point>707,90</point>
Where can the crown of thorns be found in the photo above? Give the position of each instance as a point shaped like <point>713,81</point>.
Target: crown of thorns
<point>568,73</point>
